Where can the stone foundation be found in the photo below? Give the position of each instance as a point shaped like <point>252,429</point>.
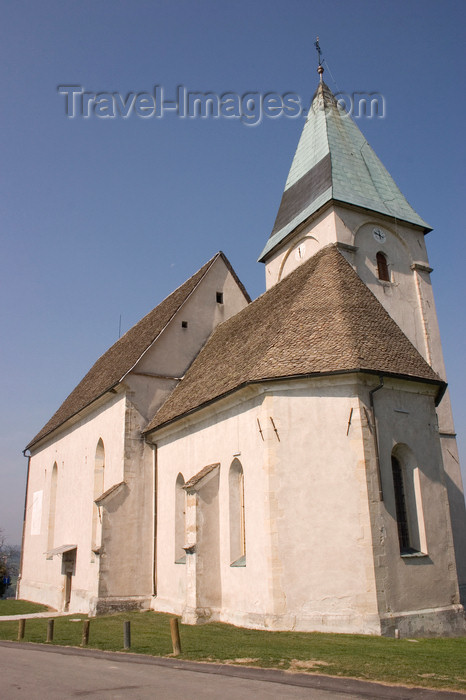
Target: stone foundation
<point>104,606</point>
<point>432,622</point>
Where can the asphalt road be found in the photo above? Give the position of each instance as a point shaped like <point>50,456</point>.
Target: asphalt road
<point>32,672</point>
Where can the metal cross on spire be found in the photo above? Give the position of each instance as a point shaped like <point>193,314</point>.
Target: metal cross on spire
<point>320,68</point>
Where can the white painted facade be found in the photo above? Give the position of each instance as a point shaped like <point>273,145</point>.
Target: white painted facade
<point>73,452</point>
<point>121,574</point>
<point>321,554</point>
<point>274,507</point>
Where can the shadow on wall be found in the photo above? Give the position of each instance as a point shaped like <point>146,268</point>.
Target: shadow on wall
<point>458,510</point>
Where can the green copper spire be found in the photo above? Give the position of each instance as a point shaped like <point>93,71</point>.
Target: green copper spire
<point>334,162</point>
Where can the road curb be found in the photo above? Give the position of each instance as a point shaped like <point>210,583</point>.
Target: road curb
<point>32,616</point>
<point>368,689</point>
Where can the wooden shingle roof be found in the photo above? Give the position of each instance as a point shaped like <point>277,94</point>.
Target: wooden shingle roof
<point>114,364</point>
<point>320,319</point>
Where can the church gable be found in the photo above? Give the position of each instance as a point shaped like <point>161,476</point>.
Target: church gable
<point>218,296</point>
<point>134,347</point>
<point>321,319</point>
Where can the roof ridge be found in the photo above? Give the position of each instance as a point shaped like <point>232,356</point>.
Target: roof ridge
<point>235,276</point>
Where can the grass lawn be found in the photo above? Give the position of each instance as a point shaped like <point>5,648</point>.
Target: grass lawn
<point>20,607</point>
<point>433,663</point>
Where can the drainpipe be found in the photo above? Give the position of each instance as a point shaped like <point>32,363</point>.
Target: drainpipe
<point>154,507</point>
<point>20,576</point>
<point>376,438</point>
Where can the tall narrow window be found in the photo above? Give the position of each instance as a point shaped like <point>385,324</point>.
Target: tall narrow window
<point>99,466</point>
<point>237,515</point>
<point>180,520</point>
<point>408,502</point>
<point>382,267</point>
<point>52,509</point>
<point>400,504</point>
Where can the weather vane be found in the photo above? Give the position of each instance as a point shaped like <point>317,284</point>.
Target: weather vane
<point>320,68</point>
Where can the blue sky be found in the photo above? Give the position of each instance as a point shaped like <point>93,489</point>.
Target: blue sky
<point>103,218</point>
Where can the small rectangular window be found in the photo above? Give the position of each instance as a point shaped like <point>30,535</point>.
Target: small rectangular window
<point>184,324</point>
<point>219,297</point>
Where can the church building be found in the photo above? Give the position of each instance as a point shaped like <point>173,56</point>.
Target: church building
<point>287,463</point>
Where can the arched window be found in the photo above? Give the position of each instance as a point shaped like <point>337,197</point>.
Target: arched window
<point>52,509</point>
<point>237,519</point>
<point>180,520</point>
<point>408,502</point>
<point>99,467</point>
<point>382,267</point>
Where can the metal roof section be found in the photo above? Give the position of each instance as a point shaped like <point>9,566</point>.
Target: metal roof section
<point>333,161</point>
<point>112,491</point>
<point>61,549</point>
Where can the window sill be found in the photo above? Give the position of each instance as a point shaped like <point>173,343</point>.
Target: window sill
<point>239,562</point>
<point>413,555</point>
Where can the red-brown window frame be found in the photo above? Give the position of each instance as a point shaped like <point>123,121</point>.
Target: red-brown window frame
<point>382,267</point>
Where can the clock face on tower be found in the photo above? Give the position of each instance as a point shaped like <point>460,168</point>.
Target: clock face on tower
<point>379,235</point>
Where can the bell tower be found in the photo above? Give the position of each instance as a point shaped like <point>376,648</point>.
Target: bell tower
<point>338,191</point>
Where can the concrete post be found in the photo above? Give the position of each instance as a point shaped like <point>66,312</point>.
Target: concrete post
<point>50,631</point>
<point>126,634</point>
<point>85,637</point>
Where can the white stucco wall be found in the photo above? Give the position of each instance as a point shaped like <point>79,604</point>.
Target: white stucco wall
<point>407,417</point>
<point>308,537</point>
<point>74,453</point>
<point>320,231</point>
<point>322,550</point>
<point>322,508</point>
<point>219,438</point>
